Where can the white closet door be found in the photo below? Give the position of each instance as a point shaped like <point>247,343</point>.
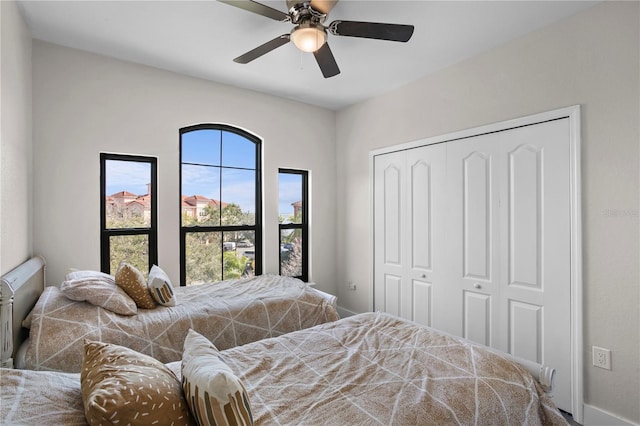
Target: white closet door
<point>409,225</point>
<point>389,224</point>
<point>472,236</point>
<point>426,174</point>
<point>535,248</point>
<point>508,239</point>
<point>473,226</point>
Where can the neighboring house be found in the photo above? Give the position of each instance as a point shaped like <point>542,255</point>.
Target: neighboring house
<point>297,207</point>
<point>194,205</point>
<point>128,204</point>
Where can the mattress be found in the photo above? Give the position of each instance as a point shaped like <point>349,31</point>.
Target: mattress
<point>371,368</point>
<point>229,313</point>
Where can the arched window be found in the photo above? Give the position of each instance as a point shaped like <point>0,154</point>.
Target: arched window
<point>220,204</point>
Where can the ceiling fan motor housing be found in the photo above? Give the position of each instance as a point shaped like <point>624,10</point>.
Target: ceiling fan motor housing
<point>301,11</point>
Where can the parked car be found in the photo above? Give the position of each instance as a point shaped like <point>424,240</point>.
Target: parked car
<point>288,246</point>
<point>244,243</point>
<point>251,254</point>
<point>228,246</point>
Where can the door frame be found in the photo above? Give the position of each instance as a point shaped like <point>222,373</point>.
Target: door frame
<point>572,113</point>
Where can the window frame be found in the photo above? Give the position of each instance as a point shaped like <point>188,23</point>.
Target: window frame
<point>303,226</point>
<point>256,227</point>
<point>107,233</point>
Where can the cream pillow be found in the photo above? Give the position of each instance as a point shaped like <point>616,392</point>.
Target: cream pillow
<point>122,386</point>
<point>160,287</point>
<point>99,289</point>
<point>214,393</point>
<point>131,280</point>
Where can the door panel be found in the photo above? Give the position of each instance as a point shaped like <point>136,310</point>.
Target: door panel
<point>525,215</point>
<point>392,215</point>
<point>389,215</point>
<point>476,216</point>
<point>392,294</point>
<point>425,230</point>
<point>477,317</point>
<point>421,214</point>
<point>535,246</point>
<point>525,330</point>
<point>471,244</point>
<point>422,302</point>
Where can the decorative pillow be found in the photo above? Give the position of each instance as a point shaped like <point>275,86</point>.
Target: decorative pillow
<point>99,289</point>
<point>160,287</point>
<point>120,385</point>
<point>131,280</point>
<point>215,395</point>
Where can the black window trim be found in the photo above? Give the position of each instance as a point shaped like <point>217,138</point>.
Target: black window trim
<point>304,226</point>
<point>151,231</point>
<point>256,227</point>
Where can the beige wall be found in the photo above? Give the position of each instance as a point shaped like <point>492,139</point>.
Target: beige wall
<point>15,139</point>
<point>591,59</point>
<point>84,104</point>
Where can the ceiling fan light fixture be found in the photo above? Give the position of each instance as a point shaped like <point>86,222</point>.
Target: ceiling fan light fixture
<point>308,36</point>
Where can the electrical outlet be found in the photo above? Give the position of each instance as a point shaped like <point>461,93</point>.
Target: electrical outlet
<point>352,286</point>
<point>601,357</point>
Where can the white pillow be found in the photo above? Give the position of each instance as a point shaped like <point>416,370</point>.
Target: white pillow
<point>213,392</point>
<point>160,287</point>
<point>99,289</point>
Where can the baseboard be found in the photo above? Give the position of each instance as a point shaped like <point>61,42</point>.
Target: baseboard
<point>596,417</point>
<point>343,312</point>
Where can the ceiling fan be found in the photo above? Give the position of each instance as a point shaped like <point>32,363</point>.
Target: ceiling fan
<point>310,33</point>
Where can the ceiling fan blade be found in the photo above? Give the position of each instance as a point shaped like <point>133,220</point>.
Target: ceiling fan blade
<point>391,32</point>
<point>258,8</point>
<point>326,61</point>
<point>323,6</point>
<point>262,49</point>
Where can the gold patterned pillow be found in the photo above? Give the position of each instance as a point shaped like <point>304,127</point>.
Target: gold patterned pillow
<point>120,385</point>
<point>131,280</point>
<point>214,393</point>
<point>160,287</point>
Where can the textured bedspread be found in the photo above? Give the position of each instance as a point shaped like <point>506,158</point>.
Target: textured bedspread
<point>229,313</point>
<point>377,369</point>
<point>370,369</point>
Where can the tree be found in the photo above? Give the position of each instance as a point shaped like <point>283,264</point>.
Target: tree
<point>205,258</point>
<point>133,249</point>
<point>291,260</point>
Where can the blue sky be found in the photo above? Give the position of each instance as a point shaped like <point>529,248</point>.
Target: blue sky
<point>203,178</point>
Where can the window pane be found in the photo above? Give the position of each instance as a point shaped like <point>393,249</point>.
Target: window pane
<point>245,250</point>
<point>238,197</point>
<point>200,195</point>
<point>201,147</point>
<point>133,249</point>
<point>128,194</point>
<point>291,252</point>
<point>290,198</point>
<point>203,253</point>
<point>238,151</point>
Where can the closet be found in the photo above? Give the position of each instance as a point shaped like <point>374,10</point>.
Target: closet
<point>472,234</point>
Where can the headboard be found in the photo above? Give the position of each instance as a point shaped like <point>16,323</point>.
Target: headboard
<point>19,292</point>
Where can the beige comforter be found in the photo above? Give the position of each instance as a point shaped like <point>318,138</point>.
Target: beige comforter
<point>229,313</point>
<point>370,369</point>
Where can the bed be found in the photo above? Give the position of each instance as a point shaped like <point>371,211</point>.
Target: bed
<point>371,368</point>
<point>229,313</point>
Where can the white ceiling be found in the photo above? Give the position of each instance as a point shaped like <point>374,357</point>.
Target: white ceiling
<point>201,38</point>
